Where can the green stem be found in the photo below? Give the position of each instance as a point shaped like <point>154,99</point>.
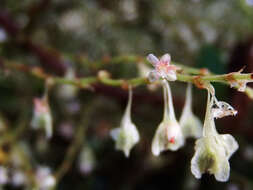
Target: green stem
<point>185,75</point>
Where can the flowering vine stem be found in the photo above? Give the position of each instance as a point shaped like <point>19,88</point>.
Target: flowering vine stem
<point>186,74</point>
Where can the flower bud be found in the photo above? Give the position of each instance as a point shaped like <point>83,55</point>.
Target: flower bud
<point>44,178</point>
<point>126,136</point>
<point>86,160</point>
<point>168,135</point>
<point>42,116</point>
<point>213,150</point>
<point>191,125</point>
<point>4,179</point>
<point>68,91</point>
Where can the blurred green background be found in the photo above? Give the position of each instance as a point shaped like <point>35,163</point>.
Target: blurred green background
<point>82,36</point>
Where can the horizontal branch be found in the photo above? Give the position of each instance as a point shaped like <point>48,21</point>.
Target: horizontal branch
<point>196,76</point>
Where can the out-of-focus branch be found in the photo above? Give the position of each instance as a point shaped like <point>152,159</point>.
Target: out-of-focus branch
<point>34,12</point>
<point>50,59</point>
<point>76,144</point>
<point>8,24</point>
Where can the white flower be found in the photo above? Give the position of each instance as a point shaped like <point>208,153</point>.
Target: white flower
<point>44,178</point>
<point>145,71</point>
<point>42,116</point>
<point>213,150</point>
<point>86,160</point>
<point>163,68</point>
<point>18,178</point>
<point>126,136</point>
<point>169,134</point>
<point>3,175</point>
<point>68,91</point>
<point>191,125</point>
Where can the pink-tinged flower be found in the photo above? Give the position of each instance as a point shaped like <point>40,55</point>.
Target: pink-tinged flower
<point>168,135</point>
<point>163,68</point>
<point>42,116</point>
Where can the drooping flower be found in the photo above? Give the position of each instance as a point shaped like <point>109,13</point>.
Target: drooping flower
<point>213,150</point>
<point>44,178</point>
<point>3,175</point>
<point>87,160</point>
<point>42,116</point>
<point>191,125</point>
<point>18,178</point>
<point>163,68</point>
<point>68,91</point>
<point>169,134</point>
<point>126,136</point>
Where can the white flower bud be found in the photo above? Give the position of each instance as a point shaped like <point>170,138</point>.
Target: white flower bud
<point>168,135</point>
<point>126,136</point>
<point>68,91</point>
<point>86,160</point>
<point>44,178</point>
<point>191,125</point>
<point>42,116</point>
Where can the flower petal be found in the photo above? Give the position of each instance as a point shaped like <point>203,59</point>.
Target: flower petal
<point>191,126</point>
<point>195,162</point>
<point>152,59</point>
<point>166,58</point>
<point>223,170</point>
<point>115,133</point>
<point>230,144</point>
<point>171,76</point>
<point>158,143</point>
<point>153,76</point>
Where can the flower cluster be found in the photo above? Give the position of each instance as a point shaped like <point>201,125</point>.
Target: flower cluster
<point>212,150</point>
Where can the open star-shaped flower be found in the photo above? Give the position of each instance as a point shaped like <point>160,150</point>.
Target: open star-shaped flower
<point>163,68</point>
